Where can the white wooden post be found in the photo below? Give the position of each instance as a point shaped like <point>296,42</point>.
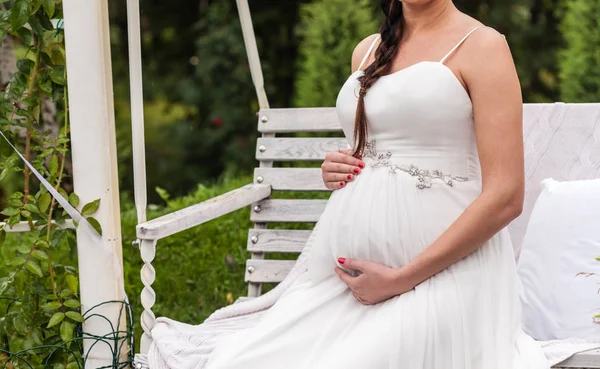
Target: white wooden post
<point>263,103</point>
<point>95,169</point>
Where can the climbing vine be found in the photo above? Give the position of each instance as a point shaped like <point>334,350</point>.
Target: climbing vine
<point>40,314</point>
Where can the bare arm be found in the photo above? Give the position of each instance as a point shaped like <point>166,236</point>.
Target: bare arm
<point>490,75</point>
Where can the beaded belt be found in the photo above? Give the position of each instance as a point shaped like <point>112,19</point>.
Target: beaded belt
<point>424,176</point>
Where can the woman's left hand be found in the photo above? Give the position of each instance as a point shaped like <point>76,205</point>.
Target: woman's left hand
<point>375,284</point>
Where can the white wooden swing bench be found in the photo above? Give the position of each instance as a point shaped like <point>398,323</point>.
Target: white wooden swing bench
<point>547,128</point>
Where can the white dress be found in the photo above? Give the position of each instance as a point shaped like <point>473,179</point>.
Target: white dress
<point>465,317</point>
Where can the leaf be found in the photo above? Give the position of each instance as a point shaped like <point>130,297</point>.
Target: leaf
<point>66,330</point>
<point>46,86</point>
<point>9,212</point>
<point>58,75</point>
<point>75,316</point>
<point>36,25</point>
<point>74,199</point>
<point>56,319</point>
<point>72,303</point>
<point>4,283</point>
<point>95,224</point>
<point>25,213</point>
<point>18,260</point>
<point>2,236</point>
<point>66,293</point>
<point>49,6</point>
<point>91,207</point>
<point>73,365</point>
<point>34,267</point>
<point>63,193</point>
<point>51,305</point>
<point>20,324</point>
<point>59,366</point>
<point>25,65</point>
<point>32,208</point>
<point>44,202</point>
<point>40,255</point>
<point>26,36</point>
<point>19,14</point>
<point>17,85</point>
<point>53,166</point>
<point>72,282</point>
<point>24,249</point>
<point>45,21</point>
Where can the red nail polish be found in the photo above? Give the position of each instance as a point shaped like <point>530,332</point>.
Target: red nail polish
<point>349,176</point>
<point>341,260</point>
<point>342,183</point>
<point>356,170</point>
<point>362,165</point>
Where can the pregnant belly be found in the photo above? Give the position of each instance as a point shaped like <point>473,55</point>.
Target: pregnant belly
<point>385,218</point>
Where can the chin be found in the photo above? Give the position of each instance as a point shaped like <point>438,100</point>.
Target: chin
<point>416,2</point>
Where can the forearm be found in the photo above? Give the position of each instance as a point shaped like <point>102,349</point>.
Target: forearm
<point>485,217</point>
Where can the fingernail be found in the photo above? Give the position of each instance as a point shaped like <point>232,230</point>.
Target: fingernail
<point>341,260</point>
<point>349,176</point>
<point>356,170</point>
<point>342,183</point>
<point>362,165</point>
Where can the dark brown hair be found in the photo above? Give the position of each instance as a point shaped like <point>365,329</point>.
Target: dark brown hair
<point>391,33</point>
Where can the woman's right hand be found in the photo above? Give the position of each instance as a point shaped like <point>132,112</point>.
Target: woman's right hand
<point>339,168</point>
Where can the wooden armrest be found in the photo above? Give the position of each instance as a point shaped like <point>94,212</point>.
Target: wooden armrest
<point>203,212</point>
<point>587,359</point>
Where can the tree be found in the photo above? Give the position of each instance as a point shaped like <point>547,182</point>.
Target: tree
<point>579,61</point>
<point>330,29</point>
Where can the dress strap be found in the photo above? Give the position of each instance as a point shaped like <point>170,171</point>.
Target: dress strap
<point>460,43</point>
<point>369,51</point>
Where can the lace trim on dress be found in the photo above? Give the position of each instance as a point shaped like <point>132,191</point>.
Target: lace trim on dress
<point>424,176</point>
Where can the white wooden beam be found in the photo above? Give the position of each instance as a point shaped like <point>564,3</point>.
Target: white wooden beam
<point>95,176</point>
<point>134,46</point>
<point>24,226</point>
<point>203,212</point>
<point>252,51</point>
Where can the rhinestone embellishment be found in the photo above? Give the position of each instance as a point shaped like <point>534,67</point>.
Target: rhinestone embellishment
<point>424,176</point>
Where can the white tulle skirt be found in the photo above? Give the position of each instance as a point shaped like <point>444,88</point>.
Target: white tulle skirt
<point>466,317</point>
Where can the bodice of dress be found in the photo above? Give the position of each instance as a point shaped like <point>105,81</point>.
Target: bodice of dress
<point>420,116</point>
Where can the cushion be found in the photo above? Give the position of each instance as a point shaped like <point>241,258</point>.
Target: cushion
<point>561,241</point>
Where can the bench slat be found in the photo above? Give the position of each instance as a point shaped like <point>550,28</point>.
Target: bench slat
<point>277,240</point>
<point>291,179</point>
<point>292,148</point>
<point>298,120</point>
<point>288,211</point>
<point>267,271</point>
<point>588,359</point>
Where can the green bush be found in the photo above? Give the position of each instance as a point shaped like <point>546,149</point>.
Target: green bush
<point>579,61</point>
<point>330,29</point>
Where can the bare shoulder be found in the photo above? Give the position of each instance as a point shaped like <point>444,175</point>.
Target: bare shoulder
<point>487,45</point>
<point>361,49</point>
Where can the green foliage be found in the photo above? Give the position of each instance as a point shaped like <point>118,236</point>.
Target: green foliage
<point>331,29</point>
<point>579,61</point>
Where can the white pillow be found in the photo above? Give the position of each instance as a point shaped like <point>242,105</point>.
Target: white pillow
<point>562,239</point>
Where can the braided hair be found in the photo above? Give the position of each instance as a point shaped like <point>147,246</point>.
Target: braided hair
<point>391,33</point>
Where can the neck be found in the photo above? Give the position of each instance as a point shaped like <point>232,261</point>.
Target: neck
<point>419,17</point>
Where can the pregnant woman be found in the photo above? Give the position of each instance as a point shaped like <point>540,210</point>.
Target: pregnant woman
<point>410,265</point>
